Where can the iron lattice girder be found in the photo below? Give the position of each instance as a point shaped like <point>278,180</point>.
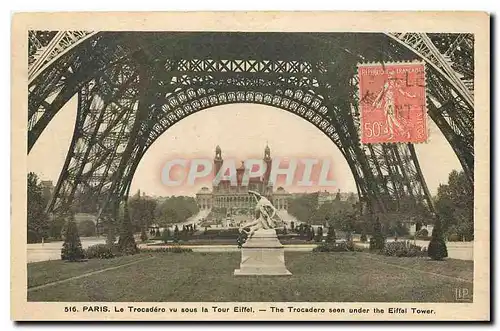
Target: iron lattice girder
<point>55,86</point>
<point>421,44</point>
<point>314,77</point>
<point>102,128</point>
<point>241,65</point>
<point>43,50</point>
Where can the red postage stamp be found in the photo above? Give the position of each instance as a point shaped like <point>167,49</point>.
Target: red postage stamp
<point>392,103</point>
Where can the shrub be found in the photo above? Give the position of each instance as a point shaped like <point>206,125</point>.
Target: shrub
<point>335,247</point>
<point>363,237</point>
<point>72,247</point>
<point>402,249</point>
<point>437,247</point>
<point>453,237</point>
<point>171,249</point>
<point>126,243</point>
<point>422,233</point>
<point>331,236</point>
<point>100,251</point>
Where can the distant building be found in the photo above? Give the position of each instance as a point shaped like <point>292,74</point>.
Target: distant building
<point>414,227</point>
<point>325,196</point>
<point>235,200</point>
<point>81,217</point>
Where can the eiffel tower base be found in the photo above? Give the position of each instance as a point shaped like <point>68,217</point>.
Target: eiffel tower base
<point>263,255</point>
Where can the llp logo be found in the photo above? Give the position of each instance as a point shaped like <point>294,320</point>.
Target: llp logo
<point>462,294</point>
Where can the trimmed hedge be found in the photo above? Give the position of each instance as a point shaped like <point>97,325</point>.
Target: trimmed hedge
<point>403,249</point>
<point>100,251</point>
<point>346,246</point>
<point>170,249</point>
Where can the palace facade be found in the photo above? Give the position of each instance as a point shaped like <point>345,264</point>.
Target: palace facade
<point>228,199</point>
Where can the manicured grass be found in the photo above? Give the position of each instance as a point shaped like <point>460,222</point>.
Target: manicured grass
<point>333,277</point>
<point>450,267</point>
<point>45,272</point>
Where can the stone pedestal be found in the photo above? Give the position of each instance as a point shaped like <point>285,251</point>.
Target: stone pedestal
<point>263,254</point>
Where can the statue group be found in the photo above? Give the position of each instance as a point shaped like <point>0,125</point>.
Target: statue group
<point>262,253</point>
<point>265,214</point>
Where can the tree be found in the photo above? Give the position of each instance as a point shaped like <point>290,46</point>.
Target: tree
<point>56,227</point>
<point>351,199</point>
<point>126,243</point>
<point>37,219</point>
<point>175,210</point>
<point>397,229</point>
<point>165,235</point>
<point>437,247</point>
<point>86,228</point>
<point>323,212</point>
<point>311,233</point>
<point>337,196</point>
<point>455,206</point>
<point>319,234</point>
<point>176,234</point>
<point>363,237</point>
<point>331,236</point>
<point>377,241</point>
<point>303,207</point>
<point>72,247</point>
<point>142,211</point>
<point>144,236</point>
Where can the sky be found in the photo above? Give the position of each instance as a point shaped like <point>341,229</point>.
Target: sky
<point>242,131</point>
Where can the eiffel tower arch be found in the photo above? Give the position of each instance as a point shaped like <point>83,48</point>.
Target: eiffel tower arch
<point>133,86</point>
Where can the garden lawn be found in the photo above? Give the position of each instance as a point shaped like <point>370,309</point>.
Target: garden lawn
<point>40,273</point>
<point>333,277</point>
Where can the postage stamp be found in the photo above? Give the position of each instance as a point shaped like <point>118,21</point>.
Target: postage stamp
<point>393,103</point>
<point>208,166</point>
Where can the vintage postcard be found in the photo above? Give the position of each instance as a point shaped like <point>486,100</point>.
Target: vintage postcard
<point>251,166</point>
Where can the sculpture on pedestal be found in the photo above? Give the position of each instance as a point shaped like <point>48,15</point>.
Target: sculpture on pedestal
<point>262,254</point>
